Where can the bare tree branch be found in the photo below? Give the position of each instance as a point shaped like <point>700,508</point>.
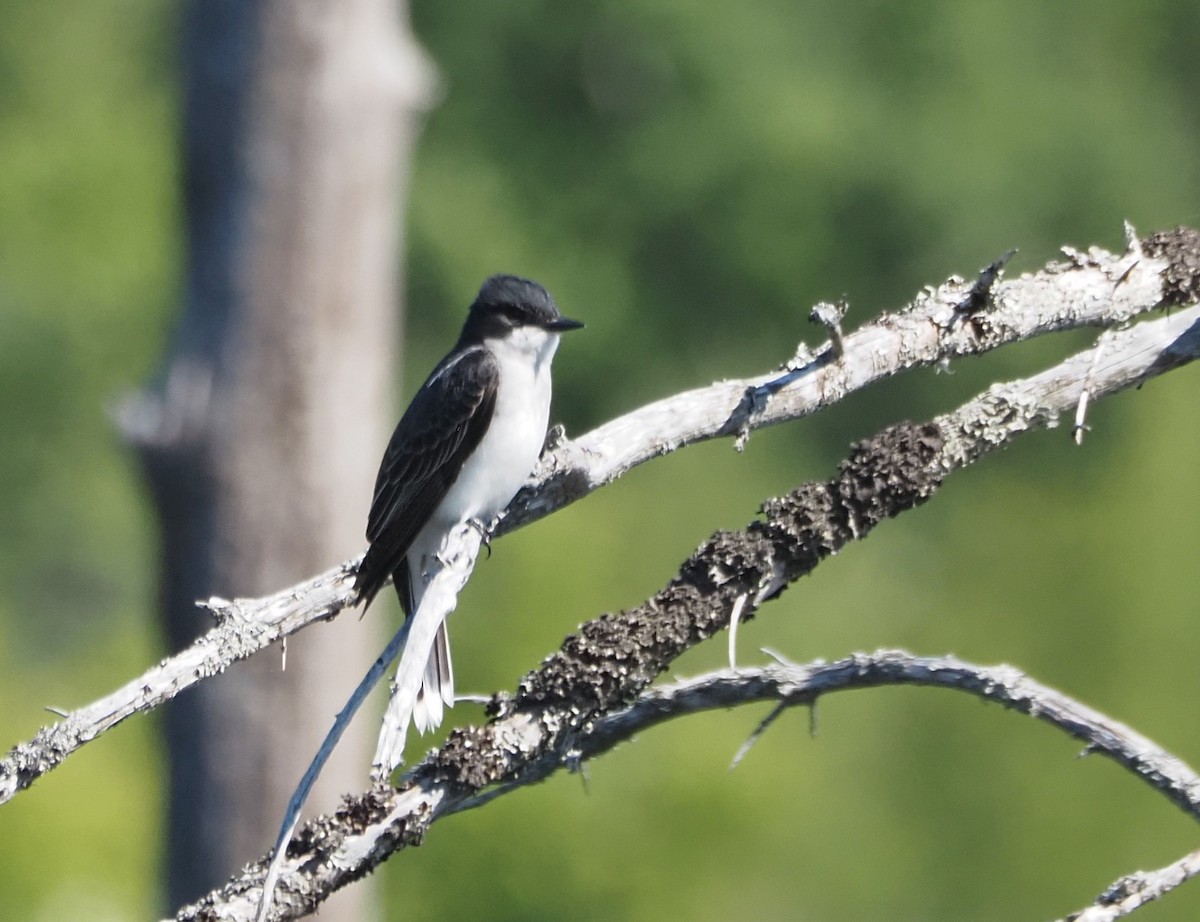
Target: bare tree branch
<point>1135,890</point>
<point>612,660</point>
<point>1092,289</point>
<point>243,627</point>
<point>801,685</point>
<point>957,318</point>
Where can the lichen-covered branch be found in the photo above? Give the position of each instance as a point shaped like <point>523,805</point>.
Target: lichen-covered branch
<point>612,660</point>
<point>1092,289</point>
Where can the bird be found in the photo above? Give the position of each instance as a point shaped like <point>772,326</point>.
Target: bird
<point>467,443</point>
<point>469,440</point>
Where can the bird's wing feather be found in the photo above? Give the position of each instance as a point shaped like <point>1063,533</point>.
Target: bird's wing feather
<point>441,427</point>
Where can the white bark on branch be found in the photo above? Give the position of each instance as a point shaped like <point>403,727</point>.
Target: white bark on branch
<point>408,813</point>
<point>1133,891</point>
<point>613,659</point>
<point>792,685</point>
<point>242,628</point>
<point>1093,289</point>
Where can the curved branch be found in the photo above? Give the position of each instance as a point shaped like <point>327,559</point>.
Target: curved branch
<point>801,685</point>
<point>957,318</point>
<point>615,657</point>
<point>406,814</point>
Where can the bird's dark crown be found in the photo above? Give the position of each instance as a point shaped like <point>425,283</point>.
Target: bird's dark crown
<point>506,302</point>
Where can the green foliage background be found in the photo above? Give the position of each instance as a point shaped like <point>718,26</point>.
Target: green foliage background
<point>688,178</point>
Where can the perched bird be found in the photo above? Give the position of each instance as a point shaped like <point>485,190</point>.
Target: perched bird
<point>465,445</point>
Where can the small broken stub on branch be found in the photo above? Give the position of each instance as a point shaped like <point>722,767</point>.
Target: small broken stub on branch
<point>831,316</point>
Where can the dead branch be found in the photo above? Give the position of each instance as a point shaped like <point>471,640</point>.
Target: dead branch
<point>1135,890</point>
<point>612,660</point>
<point>1095,288</point>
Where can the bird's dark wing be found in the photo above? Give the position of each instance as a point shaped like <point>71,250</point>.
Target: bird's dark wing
<point>441,427</point>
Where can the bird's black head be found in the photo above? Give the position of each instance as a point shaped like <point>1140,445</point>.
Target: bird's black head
<point>506,302</point>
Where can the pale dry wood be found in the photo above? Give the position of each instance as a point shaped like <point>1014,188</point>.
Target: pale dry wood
<point>1133,891</point>
<point>1098,289</point>
<point>553,731</point>
<point>956,319</point>
<point>1093,289</point>
<point>411,811</point>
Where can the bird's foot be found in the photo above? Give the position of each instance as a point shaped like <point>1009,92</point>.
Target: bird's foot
<point>485,534</point>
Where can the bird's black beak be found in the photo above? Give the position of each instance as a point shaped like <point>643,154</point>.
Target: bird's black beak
<point>562,324</point>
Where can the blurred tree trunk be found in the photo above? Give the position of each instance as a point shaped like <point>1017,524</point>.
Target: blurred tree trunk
<point>263,432</point>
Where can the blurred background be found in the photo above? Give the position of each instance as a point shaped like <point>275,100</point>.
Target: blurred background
<point>688,179</point>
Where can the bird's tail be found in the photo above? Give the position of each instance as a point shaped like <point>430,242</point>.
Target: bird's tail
<point>437,688</point>
<point>424,681</point>
<point>423,686</point>
<point>406,690</point>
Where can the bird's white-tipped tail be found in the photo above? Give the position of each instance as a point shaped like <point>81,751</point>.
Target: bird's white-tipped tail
<point>424,679</point>
<point>437,689</point>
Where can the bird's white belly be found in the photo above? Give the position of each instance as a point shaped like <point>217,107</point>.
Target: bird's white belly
<point>509,450</point>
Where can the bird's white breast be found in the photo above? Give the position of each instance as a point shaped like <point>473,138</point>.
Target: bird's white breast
<point>506,456</point>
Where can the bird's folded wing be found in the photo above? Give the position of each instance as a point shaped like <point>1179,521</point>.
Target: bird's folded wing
<point>441,427</point>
